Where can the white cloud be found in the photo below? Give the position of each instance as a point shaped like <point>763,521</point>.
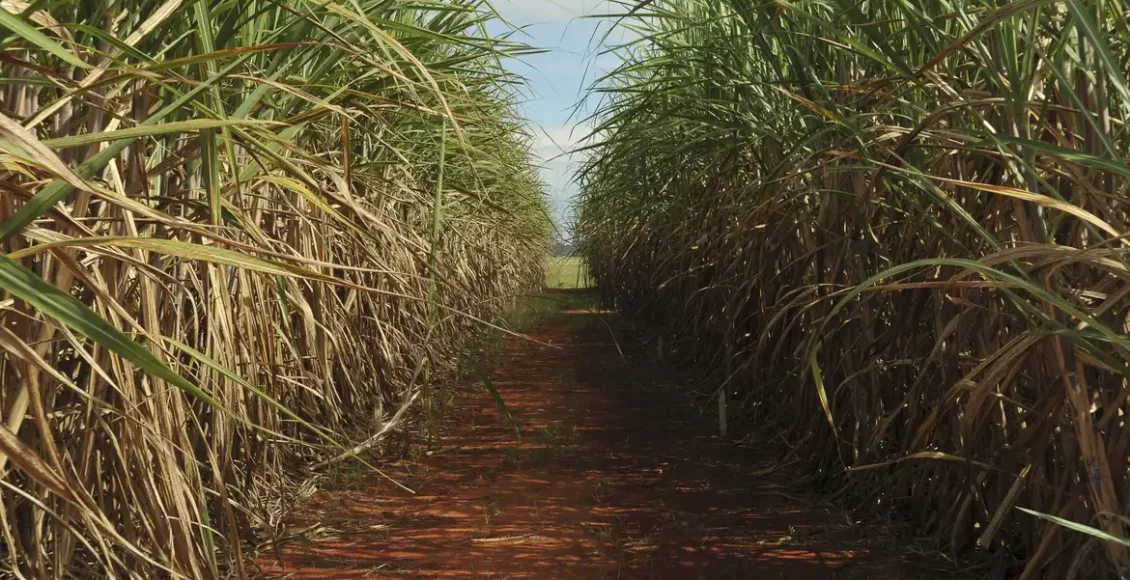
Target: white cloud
<point>558,79</point>
<point>553,146</point>
<point>553,141</point>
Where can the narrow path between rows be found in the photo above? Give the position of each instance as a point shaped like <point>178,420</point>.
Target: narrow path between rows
<point>618,476</point>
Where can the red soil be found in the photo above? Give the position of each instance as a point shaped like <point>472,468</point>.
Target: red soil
<point>618,476</point>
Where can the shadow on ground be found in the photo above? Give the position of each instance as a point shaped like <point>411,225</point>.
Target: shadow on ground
<point>617,476</point>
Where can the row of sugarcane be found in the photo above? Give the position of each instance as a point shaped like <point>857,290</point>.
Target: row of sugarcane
<point>238,238</point>
<point>896,235</point>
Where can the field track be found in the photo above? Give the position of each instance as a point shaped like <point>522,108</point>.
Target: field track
<point>618,476</point>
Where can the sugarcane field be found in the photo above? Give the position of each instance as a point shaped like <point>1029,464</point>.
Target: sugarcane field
<point>564,289</point>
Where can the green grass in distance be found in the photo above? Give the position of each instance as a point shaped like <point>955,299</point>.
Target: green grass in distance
<point>566,273</point>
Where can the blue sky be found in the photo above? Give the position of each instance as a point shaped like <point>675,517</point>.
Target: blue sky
<point>557,80</point>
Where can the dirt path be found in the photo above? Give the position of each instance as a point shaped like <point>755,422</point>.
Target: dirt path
<point>617,476</point>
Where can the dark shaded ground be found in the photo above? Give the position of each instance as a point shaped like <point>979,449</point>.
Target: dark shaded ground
<point>617,477</point>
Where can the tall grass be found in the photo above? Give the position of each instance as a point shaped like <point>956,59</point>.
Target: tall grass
<point>224,247</point>
<point>895,230</point>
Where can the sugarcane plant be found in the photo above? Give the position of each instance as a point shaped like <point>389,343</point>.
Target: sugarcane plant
<point>224,255</point>
<point>896,234</point>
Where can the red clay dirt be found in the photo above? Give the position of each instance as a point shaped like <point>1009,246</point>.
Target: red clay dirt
<point>618,476</point>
